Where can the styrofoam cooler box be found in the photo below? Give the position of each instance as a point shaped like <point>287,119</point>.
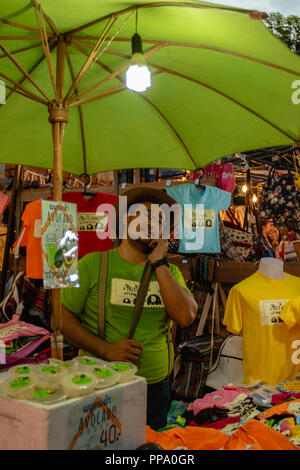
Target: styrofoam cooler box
<point>109,419</point>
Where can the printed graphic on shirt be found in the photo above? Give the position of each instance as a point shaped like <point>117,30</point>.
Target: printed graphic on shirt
<point>270,310</point>
<point>124,292</point>
<point>199,218</point>
<point>90,222</point>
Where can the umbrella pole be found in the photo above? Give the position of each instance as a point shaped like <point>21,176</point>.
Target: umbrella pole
<point>58,117</point>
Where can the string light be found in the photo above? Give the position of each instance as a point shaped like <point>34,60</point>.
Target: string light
<point>254,199</point>
<point>245,188</point>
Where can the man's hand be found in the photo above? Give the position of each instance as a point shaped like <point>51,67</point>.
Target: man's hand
<point>127,350</point>
<point>160,250</point>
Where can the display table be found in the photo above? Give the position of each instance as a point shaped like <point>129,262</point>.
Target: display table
<point>110,419</point>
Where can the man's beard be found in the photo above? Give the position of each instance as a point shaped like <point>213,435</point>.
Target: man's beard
<point>141,244</point>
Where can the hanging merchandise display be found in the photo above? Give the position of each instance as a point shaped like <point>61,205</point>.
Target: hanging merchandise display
<point>253,309</point>
<point>31,237</point>
<point>223,174</point>
<point>19,340</point>
<point>241,239</point>
<point>29,300</point>
<point>59,244</point>
<point>280,197</point>
<point>91,219</point>
<point>198,229</point>
<point>196,355</point>
<point>296,158</point>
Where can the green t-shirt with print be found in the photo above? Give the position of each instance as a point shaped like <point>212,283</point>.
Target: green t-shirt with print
<point>123,281</point>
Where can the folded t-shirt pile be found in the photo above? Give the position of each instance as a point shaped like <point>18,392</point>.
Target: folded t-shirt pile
<point>225,410</point>
<point>284,418</point>
<point>253,435</point>
<point>233,419</point>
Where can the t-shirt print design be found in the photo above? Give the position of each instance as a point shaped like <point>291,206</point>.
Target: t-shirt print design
<point>270,310</point>
<point>199,218</point>
<point>88,221</point>
<point>124,292</point>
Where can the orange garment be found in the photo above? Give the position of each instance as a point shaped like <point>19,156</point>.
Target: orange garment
<point>253,435</point>
<point>281,409</point>
<point>191,437</point>
<point>30,237</point>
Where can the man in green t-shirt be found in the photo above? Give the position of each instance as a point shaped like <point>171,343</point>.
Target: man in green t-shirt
<point>168,299</point>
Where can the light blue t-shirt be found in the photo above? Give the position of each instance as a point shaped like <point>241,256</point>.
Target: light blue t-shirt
<point>198,229</point>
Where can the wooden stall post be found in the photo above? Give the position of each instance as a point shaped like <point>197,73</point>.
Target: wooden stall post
<point>58,117</point>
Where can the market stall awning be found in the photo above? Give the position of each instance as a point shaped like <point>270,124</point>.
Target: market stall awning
<point>221,83</point>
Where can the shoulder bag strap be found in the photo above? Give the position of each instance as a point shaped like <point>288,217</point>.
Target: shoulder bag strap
<point>102,292</point>
<point>140,298</point>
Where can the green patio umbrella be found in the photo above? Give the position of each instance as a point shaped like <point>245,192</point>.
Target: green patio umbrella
<point>221,83</point>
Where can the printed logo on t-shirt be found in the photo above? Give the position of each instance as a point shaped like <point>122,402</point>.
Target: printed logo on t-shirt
<point>90,222</point>
<point>124,292</point>
<point>270,310</point>
<point>199,218</point>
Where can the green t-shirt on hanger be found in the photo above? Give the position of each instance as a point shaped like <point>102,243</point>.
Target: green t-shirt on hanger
<point>123,281</point>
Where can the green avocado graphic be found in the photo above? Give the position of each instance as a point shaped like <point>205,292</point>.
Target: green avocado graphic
<point>68,260</point>
<point>58,258</point>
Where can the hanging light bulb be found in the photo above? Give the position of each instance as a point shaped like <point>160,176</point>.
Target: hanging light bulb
<point>245,188</point>
<point>254,199</point>
<point>138,76</point>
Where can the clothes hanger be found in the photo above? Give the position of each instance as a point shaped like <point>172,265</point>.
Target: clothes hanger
<point>198,185</point>
<point>87,185</point>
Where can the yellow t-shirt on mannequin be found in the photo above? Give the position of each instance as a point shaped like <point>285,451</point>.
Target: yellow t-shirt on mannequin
<point>253,310</point>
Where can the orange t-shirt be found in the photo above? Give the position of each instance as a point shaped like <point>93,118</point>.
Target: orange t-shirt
<point>31,238</point>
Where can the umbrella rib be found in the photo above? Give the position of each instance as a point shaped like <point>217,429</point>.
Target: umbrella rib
<point>177,74</point>
<point>97,96</point>
<point>80,114</point>
<point>91,57</point>
<point>42,28</point>
<point>108,69</point>
<point>24,78</point>
<point>14,90</point>
<point>171,127</point>
<point>113,74</point>
<point>21,68</point>
<point>195,46</point>
<point>21,26</point>
<point>158,4</point>
<point>47,18</point>
<point>21,50</point>
<point>19,38</point>
<point>29,94</point>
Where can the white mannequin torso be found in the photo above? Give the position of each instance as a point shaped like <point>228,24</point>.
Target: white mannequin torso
<point>272,268</point>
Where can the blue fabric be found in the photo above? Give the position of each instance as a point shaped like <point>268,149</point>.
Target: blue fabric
<point>198,229</point>
<point>158,403</point>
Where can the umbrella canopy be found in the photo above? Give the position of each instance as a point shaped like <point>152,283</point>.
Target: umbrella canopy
<point>221,83</point>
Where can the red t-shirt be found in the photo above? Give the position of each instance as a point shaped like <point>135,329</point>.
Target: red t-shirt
<point>88,220</point>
